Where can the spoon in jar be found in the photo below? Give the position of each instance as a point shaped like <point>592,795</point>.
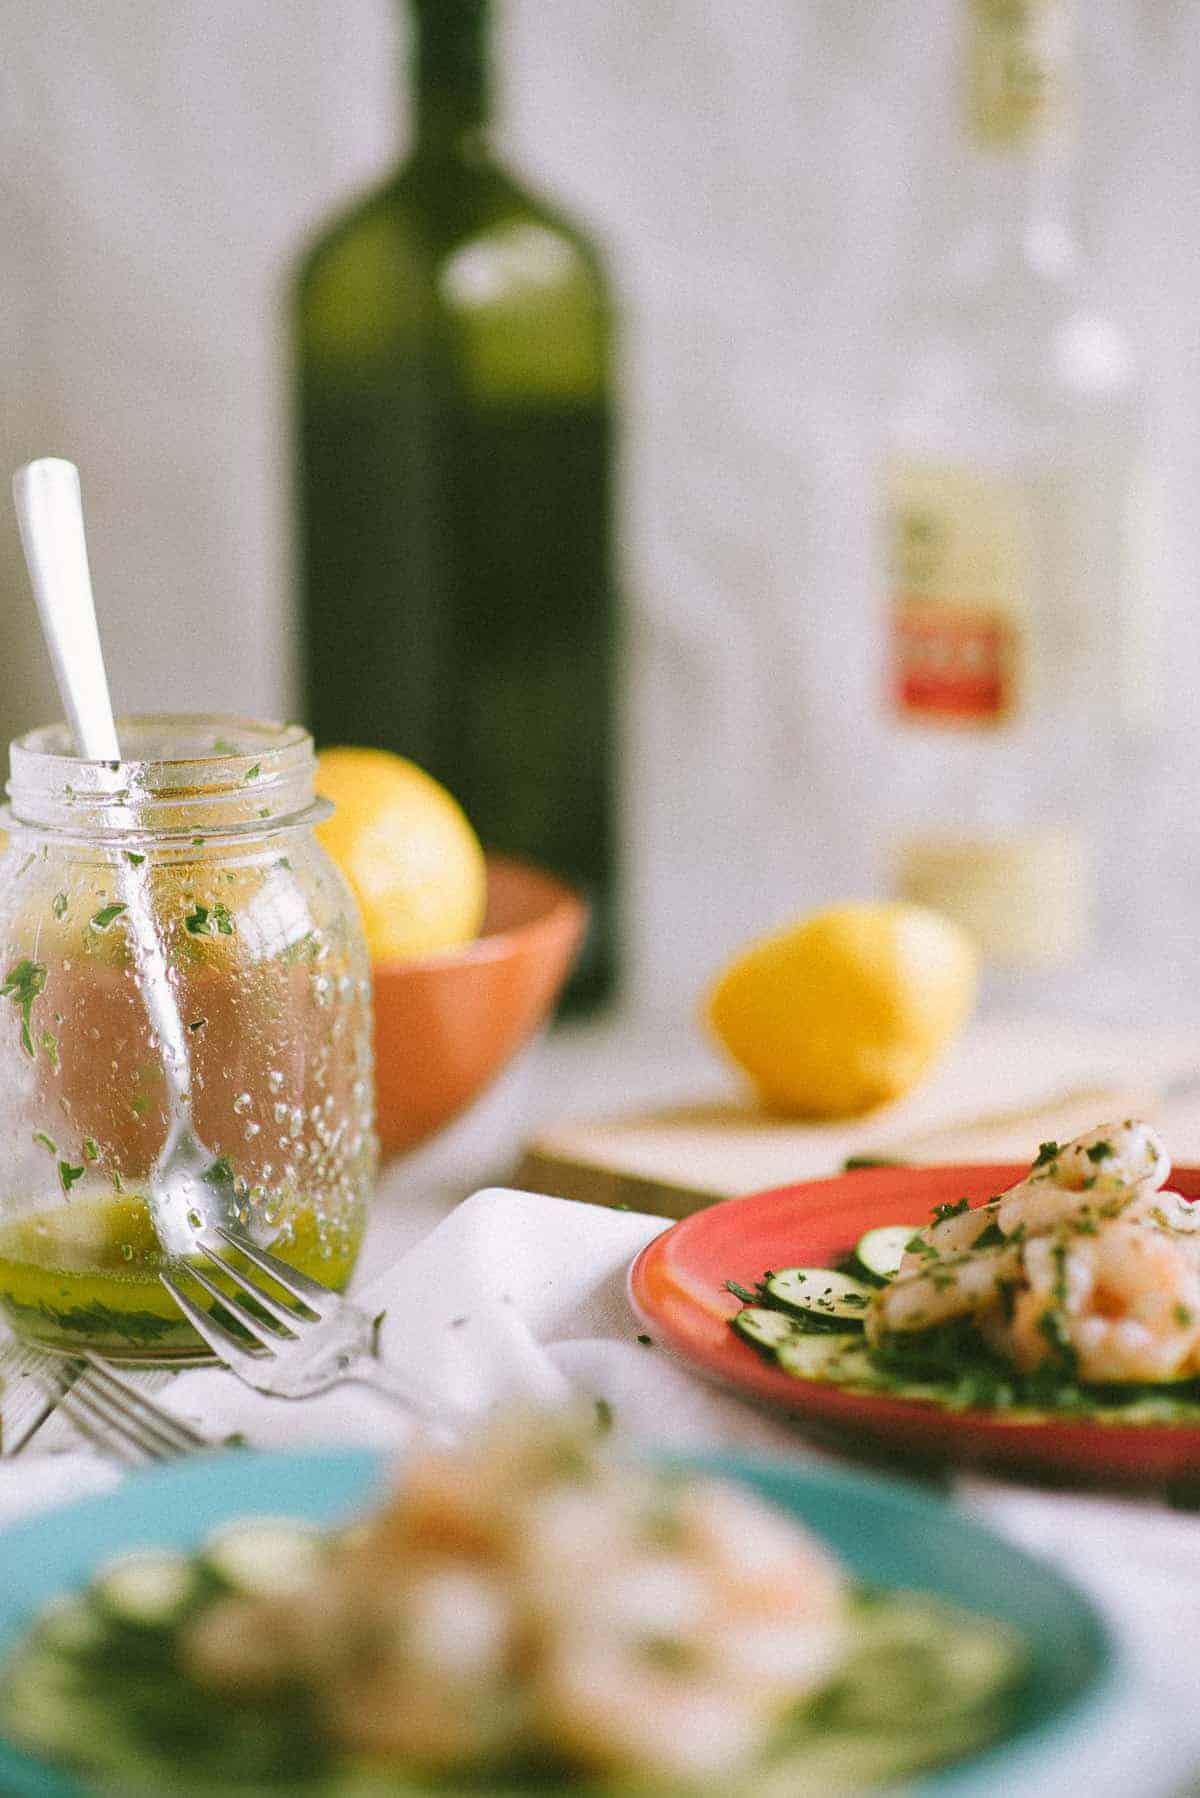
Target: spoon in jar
<point>190,1186</point>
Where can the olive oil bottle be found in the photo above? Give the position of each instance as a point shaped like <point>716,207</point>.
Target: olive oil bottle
<point>453,351</point>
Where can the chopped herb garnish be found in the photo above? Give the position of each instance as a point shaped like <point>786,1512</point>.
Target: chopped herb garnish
<point>133,858</point>
<point>283,862</point>
<point>219,1173</point>
<point>91,1149</point>
<point>646,1341</point>
<point>222,746</point>
<point>50,1044</point>
<point>197,842</point>
<point>1183,1317</point>
<point>108,914</point>
<point>376,1326</point>
<point>942,1212</point>
<point>1099,1151</point>
<point>197,1023</point>
<point>604,1416</point>
<point>46,1142</point>
<point>222,920</point>
<point>197,921</point>
<point>68,1175</point>
<point>139,1104</point>
<point>23,983</point>
<point>253,773</point>
<point>58,905</point>
<point>853,1164</point>
<point>1047,1152</point>
<point>992,1237</point>
<point>668,1652</point>
<point>917,1245</point>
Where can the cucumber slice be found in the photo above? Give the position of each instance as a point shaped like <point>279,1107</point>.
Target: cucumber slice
<point>765,1329</point>
<point>836,1356</point>
<point>268,1557</point>
<point>820,1292</point>
<point>70,1626</point>
<point>148,1590</point>
<point>882,1250</point>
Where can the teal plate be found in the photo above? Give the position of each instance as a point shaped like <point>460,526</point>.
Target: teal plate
<point>886,1533</point>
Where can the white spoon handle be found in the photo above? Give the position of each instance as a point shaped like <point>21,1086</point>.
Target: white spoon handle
<point>50,515</point>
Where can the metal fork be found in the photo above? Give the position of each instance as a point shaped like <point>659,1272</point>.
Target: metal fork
<point>299,1349</point>
<point>119,1418</point>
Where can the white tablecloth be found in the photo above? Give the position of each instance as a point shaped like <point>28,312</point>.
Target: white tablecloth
<point>513,1292</point>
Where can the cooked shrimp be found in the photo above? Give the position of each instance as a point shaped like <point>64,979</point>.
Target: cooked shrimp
<point>943,1290</point>
<point>1099,1173</point>
<point>1124,1302</point>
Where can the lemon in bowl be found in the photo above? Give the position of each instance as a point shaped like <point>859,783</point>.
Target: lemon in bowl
<point>404,844</point>
<point>846,1009</point>
<point>468,952</point>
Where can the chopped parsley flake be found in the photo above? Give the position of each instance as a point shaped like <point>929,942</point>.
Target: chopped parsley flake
<point>604,1416</point>
<point>133,858</point>
<point>24,983</point>
<point>942,1212</point>
<point>108,914</point>
<point>202,921</point>
<point>219,1173</point>
<point>45,1142</point>
<point>50,1044</point>
<point>1047,1152</point>
<point>68,1175</point>
<point>58,905</point>
<point>91,1149</point>
<point>646,1341</point>
<point>253,773</point>
<point>1099,1151</point>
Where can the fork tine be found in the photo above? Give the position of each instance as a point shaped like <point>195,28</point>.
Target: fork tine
<point>140,1405</point>
<point>299,1286</point>
<point>108,1425</point>
<point>262,1333</point>
<point>280,1313</point>
<point>224,1345</point>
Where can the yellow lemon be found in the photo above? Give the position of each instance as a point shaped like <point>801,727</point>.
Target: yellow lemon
<point>406,848</point>
<point>846,1009</point>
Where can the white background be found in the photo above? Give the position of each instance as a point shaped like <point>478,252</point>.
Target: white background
<point>766,177</point>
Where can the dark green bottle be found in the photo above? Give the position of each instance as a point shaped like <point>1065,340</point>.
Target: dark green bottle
<point>453,338</point>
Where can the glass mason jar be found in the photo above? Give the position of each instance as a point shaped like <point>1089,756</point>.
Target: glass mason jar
<point>206,832</point>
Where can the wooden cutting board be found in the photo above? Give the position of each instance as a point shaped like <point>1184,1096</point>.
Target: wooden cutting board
<point>1005,1089</point>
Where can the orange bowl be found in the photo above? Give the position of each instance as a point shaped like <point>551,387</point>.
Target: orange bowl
<point>447,1024</point>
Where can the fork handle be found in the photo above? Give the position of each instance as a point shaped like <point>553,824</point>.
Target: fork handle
<point>399,1390</point>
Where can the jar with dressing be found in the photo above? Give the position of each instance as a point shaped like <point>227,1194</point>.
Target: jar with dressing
<point>265,957</point>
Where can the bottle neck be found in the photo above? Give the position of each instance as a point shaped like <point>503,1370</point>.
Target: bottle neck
<point>1019,122</point>
<point>450,76</point>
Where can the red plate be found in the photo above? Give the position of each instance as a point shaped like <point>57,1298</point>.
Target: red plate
<point>677,1285</point>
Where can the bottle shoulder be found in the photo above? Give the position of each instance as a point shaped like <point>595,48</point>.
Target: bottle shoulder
<point>427,212</point>
<point>463,256</point>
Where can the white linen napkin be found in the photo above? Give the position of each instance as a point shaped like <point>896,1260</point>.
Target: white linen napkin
<point>513,1294</point>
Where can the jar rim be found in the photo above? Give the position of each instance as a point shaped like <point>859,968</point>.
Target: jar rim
<point>180,772</point>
